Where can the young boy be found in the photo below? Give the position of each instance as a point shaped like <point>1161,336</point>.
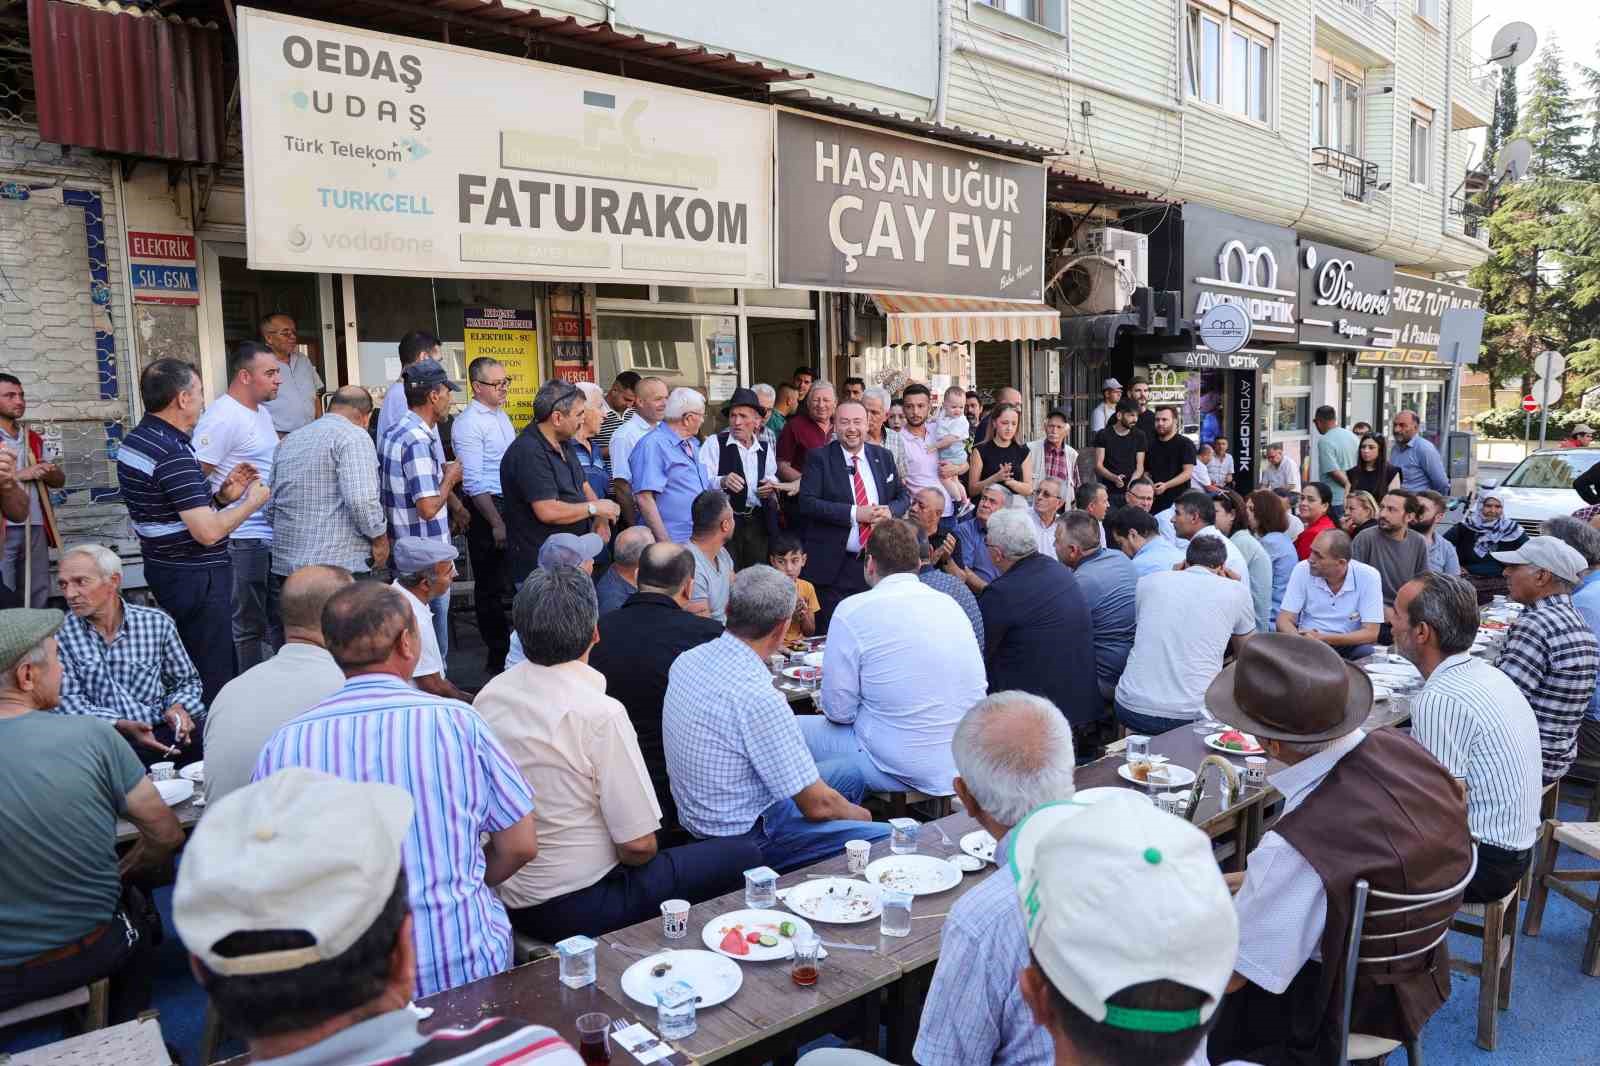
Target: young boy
<point>788,556</point>
<point>950,431</point>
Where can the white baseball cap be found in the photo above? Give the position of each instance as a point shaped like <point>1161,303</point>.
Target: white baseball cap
<point>1110,383</point>
<point>1548,553</point>
<point>1119,893</point>
<point>299,850</point>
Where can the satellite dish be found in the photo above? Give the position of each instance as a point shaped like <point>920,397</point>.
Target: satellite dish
<point>1513,44</point>
<point>1514,158</point>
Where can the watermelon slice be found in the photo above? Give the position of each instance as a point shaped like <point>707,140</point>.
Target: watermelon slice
<point>733,942</point>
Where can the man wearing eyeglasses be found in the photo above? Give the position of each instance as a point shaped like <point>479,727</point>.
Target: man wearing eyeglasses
<point>481,434</point>
<point>299,398</point>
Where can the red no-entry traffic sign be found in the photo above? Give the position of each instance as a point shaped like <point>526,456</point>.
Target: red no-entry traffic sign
<point>1529,404</point>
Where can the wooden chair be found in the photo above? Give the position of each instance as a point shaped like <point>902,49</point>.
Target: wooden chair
<point>1498,931</point>
<point>1549,800</point>
<point>1584,838</point>
<point>212,1035</point>
<point>525,949</point>
<point>1586,772</point>
<point>1370,945</point>
<point>91,1004</point>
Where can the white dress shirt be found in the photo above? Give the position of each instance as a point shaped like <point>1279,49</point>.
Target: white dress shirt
<point>1282,905</point>
<point>903,687</point>
<point>852,543</point>
<point>481,437</point>
<point>749,459</point>
<point>622,442</point>
<point>1046,534</point>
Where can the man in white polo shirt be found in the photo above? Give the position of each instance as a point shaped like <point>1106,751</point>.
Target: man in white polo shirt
<point>1334,598</point>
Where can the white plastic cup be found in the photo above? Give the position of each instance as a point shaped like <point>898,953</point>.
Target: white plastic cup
<point>856,854</point>
<point>675,919</point>
<point>1255,772</point>
<point>163,771</point>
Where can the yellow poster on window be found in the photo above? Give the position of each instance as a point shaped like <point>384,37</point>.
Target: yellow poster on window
<point>509,336</point>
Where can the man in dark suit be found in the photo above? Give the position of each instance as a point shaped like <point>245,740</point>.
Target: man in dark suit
<point>1036,623</point>
<point>848,485</point>
<point>638,643</point>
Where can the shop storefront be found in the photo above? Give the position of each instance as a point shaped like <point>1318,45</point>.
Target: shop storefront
<point>1412,374</point>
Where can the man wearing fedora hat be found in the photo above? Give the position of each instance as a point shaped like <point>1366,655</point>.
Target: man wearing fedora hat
<point>739,461</point>
<point>1356,805</point>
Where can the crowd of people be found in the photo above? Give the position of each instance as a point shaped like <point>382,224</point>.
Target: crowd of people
<point>995,611</point>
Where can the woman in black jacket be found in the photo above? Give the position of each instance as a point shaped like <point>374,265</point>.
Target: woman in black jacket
<point>1483,532</point>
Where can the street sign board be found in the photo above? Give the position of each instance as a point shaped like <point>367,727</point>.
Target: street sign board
<point>1529,404</point>
<point>1547,365</point>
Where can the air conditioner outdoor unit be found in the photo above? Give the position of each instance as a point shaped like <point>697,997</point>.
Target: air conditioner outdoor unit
<point>1096,284</point>
<point>1107,240</point>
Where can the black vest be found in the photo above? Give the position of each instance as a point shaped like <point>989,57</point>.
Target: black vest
<point>729,461</point>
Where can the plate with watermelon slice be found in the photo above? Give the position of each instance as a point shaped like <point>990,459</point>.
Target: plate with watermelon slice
<point>1233,742</point>
<point>754,935</point>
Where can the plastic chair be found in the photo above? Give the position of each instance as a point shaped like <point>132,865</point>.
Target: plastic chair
<point>1360,1045</point>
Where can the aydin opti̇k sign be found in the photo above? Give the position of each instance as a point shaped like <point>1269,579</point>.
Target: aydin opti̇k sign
<point>366,152</point>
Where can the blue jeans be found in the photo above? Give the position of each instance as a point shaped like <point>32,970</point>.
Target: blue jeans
<point>441,624</point>
<point>257,629</point>
<point>200,601</point>
<point>834,745</point>
<point>789,841</point>
<point>1149,725</point>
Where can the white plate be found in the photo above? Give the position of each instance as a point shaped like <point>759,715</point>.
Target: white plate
<point>754,922</point>
<point>1179,777</point>
<point>195,771</point>
<point>1214,741</point>
<point>175,791</point>
<point>967,864</point>
<point>1095,795</point>
<point>835,900</point>
<point>1398,671</point>
<point>979,844</point>
<point>920,875</point>
<point>714,978</point>
<point>812,658</point>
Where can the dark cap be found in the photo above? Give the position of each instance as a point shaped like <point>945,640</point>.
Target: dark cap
<point>742,398</point>
<point>427,372</point>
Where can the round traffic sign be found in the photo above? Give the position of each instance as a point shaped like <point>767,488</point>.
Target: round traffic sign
<point>1529,404</point>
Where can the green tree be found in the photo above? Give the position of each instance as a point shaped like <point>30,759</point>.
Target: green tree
<point>1551,120</point>
<point>1591,157</point>
<point>1503,127</point>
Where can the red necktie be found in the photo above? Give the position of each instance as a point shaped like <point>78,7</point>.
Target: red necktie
<point>861,498</point>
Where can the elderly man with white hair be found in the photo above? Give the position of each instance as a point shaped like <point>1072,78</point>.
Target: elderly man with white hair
<point>125,663</point>
<point>877,400</point>
<point>1035,618</point>
<point>1013,754</point>
<point>768,397</point>
<point>666,470</point>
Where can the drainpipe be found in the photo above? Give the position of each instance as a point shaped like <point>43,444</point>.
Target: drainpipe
<point>1449,104</point>
<point>941,90</point>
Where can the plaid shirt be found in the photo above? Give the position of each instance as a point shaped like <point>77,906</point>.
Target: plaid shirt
<point>325,507</point>
<point>733,746</point>
<point>1055,462</point>
<point>410,470</point>
<point>141,672</point>
<point>1552,655</point>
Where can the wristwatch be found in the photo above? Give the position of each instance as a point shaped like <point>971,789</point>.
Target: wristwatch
<point>593,510</point>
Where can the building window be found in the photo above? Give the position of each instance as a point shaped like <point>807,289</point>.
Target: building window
<point>1336,105</point>
<point>1051,14</point>
<point>1347,115</point>
<point>1428,9</point>
<point>1421,155</point>
<point>1319,112</point>
<point>1230,59</point>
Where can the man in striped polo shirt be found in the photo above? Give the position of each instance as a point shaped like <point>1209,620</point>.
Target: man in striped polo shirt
<point>378,728</point>
<point>183,527</point>
<point>292,901</point>
<point>1476,722</point>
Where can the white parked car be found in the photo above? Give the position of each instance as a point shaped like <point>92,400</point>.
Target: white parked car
<point>1541,486</point>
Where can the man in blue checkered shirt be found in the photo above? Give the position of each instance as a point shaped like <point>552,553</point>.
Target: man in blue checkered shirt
<point>125,663</point>
<point>738,763</point>
<point>415,484</point>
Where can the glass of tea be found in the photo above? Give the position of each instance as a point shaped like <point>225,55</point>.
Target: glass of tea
<point>594,1038</point>
<point>807,959</point>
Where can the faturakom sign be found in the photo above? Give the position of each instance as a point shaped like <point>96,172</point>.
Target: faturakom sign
<point>369,153</point>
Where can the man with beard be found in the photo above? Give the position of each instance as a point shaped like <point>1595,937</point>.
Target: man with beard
<point>924,469</point>
<point>1140,393</point>
<point>1442,557</point>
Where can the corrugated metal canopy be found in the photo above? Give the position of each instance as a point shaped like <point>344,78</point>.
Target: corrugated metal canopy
<point>127,81</point>
<point>935,319</point>
<point>1064,185</point>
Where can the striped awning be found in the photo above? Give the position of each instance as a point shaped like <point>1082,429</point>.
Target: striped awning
<point>932,319</point>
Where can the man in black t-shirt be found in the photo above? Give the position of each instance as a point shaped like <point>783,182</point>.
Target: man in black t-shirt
<point>1119,451</point>
<point>1140,392</point>
<point>1170,459</point>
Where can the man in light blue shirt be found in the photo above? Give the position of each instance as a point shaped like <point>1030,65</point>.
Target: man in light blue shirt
<point>1110,584</point>
<point>975,1012</point>
<point>1585,539</point>
<point>1416,458</point>
<point>1336,451</point>
<point>481,434</point>
<point>1442,557</point>
<point>893,693</point>
<point>665,471</point>
<point>1334,598</point>
<point>1134,531</point>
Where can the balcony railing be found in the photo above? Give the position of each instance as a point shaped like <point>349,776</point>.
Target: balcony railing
<point>1469,211</point>
<point>1360,176</point>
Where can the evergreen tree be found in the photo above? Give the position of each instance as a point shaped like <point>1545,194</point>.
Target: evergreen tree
<point>1504,125</point>
<point>1591,158</point>
<point>1551,119</point>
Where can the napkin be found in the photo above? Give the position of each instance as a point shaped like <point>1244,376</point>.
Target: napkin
<point>645,1046</point>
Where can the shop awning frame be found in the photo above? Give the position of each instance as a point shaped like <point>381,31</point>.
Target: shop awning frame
<point>952,319</point>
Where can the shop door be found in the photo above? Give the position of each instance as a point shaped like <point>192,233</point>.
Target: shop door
<point>777,346</point>
<point>236,298</point>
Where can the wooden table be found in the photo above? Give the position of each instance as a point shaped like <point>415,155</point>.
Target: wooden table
<point>188,813</point>
<point>533,993</point>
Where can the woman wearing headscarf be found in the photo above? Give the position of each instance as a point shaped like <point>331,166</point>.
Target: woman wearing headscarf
<point>1485,531</point>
